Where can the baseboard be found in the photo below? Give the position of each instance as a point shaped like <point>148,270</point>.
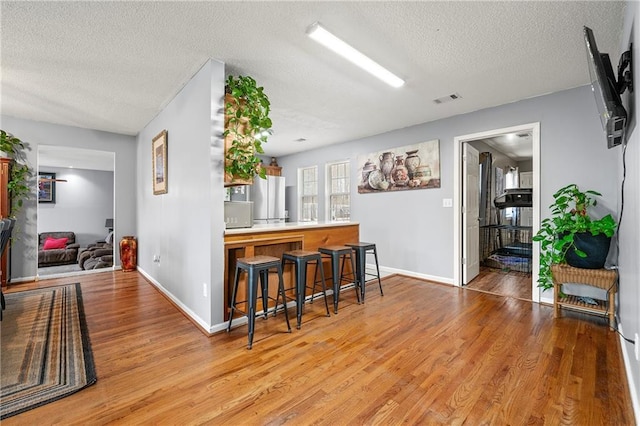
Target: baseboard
<point>22,280</point>
<point>62,275</point>
<point>206,328</point>
<point>384,270</point>
<point>628,368</point>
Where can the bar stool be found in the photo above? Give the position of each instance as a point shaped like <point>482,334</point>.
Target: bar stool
<point>362,249</point>
<point>338,254</point>
<point>301,259</point>
<point>257,266</point>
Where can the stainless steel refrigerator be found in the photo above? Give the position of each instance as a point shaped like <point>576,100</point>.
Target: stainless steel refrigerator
<point>268,199</point>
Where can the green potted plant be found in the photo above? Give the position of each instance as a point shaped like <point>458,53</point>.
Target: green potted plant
<point>18,187</point>
<point>563,235</point>
<point>247,126</point>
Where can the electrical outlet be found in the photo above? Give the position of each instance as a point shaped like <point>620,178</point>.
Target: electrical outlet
<point>447,202</point>
<point>204,289</point>
<point>156,258</point>
<point>636,347</point>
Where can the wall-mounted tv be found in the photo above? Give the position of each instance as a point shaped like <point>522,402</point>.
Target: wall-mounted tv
<point>605,89</point>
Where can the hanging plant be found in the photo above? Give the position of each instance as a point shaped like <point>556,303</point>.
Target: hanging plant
<point>20,172</point>
<point>247,126</point>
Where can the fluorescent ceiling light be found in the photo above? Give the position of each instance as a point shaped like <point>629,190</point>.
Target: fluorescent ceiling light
<point>324,37</point>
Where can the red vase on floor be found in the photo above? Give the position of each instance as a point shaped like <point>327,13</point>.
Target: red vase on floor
<point>129,253</point>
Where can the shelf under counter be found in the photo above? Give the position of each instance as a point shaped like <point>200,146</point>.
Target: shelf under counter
<point>273,240</point>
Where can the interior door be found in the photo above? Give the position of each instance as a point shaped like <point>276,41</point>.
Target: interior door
<point>470,214</point>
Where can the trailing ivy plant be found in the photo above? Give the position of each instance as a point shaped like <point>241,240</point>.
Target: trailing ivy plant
<point>247,111</point>
<point>569,216</point>
<point>20,172</point>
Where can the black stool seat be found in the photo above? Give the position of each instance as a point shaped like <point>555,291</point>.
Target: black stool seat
<point>362,249</point>
<point>301,259</point>
<point>257,266</point>
<point>338,255</point>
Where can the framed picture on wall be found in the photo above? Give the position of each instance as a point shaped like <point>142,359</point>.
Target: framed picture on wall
<point>402,168</point>
<point>46,187</point>
<point>159,163</point>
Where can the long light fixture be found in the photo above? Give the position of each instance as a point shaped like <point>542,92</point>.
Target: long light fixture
<point>324,37</point>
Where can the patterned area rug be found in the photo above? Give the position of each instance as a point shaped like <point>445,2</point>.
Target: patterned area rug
<point>46,354</point>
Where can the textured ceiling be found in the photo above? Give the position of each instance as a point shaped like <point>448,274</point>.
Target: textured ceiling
<point>114,65</point>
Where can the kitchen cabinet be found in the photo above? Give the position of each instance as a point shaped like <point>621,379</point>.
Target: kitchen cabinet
<point>272,170</point>
<point>275,239</point>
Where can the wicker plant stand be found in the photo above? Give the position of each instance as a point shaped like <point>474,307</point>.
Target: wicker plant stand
<point>601,278</point>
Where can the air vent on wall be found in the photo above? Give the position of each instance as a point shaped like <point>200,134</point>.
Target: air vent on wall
<point>449,98</point>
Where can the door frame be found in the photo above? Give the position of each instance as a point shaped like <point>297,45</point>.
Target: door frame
<point>113,214</point>
<point>534,128</point>
<point>470,216</point>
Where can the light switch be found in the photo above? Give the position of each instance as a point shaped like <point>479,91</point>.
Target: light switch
<point>447,202</point>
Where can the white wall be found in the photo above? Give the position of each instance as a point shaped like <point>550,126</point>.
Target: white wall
<point>412,230</point>
<point>185,226</point>
<point>24,252</point>
<point>83,203</point>
<point>629,231</point>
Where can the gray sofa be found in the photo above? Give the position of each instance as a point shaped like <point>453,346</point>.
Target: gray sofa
<point>53,257</point>
<point>96,256</point>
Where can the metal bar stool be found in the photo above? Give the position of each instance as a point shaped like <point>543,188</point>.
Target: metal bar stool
<point>257,266</point>
<point>301,259</point>
<point>338,253</point>
<point>362,249</point>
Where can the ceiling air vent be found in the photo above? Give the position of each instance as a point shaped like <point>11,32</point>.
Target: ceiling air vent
<point>449,98</point>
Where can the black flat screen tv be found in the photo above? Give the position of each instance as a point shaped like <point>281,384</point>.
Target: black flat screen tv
<point>603,83</point>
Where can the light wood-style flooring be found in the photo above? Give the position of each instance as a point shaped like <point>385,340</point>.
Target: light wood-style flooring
<point>425,353</point>
<point>509,284</point>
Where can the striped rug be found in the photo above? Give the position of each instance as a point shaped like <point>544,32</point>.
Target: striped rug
<point>46,353</point>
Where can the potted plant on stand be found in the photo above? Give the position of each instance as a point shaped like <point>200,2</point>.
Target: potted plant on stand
<point>247,126</point>
<point>571,235</point>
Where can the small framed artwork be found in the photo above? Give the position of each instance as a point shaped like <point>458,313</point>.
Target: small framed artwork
<point>159,161</point>
<point>46,187</point>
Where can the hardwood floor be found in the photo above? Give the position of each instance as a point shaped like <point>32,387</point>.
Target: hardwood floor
<point>424,353</point>
<point>509,284</point>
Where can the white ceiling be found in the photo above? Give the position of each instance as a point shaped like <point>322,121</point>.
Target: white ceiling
<point>75,158</point>
<point>517,146</point>
<point>114,65</point>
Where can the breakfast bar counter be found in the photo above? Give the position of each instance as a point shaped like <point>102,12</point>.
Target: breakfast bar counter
<point>274,239</point>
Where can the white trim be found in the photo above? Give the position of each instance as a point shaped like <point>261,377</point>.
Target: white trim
<point>628,367</point>
<point>412,274</point>
<point>66,274</point>
<point>457,197</point>
<point>328,193</point>
<point>22,280</point>
<point>300,190</point>
<point>185,310</point>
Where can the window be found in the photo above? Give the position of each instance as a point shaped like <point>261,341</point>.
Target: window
<point>338,192</point>
<point>308,193</point>
<point>511,181</point>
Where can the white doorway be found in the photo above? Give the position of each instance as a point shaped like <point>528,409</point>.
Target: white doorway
<point>460,203</point>
<point>76,195</point>
<point>470,213</point>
